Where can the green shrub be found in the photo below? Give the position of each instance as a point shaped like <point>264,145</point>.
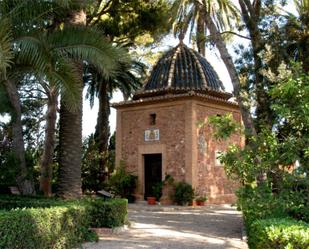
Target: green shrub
<point>8,202</point>
<point>123,184</point>
<point>157,190</point>
<point>56,227</point>
<point>279,234</point>
<point>184,193</point>
<point>55,223</point>
<point>259,203</point>
<point>103,213</point>
<point>111,213</point>
<point>300,213</point>
<point>201,198</point>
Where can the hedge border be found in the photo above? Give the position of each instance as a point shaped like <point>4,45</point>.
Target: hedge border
<point>57,223</point>
<point>279,233</point>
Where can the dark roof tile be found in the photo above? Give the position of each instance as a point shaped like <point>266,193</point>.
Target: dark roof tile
<point>183,68</point>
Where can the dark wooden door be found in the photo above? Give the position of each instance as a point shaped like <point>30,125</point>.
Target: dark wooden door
<point>153,172</point>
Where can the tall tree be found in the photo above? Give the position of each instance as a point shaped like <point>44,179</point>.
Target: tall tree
<point>296,32</point>
<point>6,41</point>
<point>251,15</point>
<point>54,65</point>
<point>20,19</point>
<point>70,133</point>
<point>212,25</point>
<point>127,79</point>
<point>191,14</point>
<point>71,122</point>
<point>123,23</point>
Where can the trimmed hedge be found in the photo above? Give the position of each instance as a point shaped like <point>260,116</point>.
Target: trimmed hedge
<point>111,213</point>
<point>9,202</point>
<point>57,223</point>
<point>279,234</point>
<point>56,227</point>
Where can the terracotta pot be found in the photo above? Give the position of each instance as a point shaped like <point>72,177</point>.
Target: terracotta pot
<point>151,200</point>
<point>200,203</point>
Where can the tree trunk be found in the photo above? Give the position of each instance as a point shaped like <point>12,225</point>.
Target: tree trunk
<point>70,147</point>
<point>24,178</point>
<point>102,132</point>
<point>200,28</point>
<point>251,15</point>
<point>70,135</point>
<point>49,144</point>
<point>227,59</point>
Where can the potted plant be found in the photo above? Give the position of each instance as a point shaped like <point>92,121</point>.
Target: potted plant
<point>184,193</point>
<point>200,200</point>
<point>151,200</point>
<point>156,192</point>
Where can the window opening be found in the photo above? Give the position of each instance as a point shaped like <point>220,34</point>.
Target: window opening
<point>153,119</point>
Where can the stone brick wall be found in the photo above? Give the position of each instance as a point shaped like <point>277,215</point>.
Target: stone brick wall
<point>188,150</point>
<point>210,176</point>
<point>170,121</point>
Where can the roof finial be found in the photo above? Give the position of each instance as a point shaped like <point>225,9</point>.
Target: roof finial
<point>181,36</point>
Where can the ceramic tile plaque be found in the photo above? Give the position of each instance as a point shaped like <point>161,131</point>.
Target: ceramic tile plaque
<point>152,135</point>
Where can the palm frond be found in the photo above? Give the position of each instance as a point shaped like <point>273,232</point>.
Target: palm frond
<point>127,78</point>
<point>67,80</point>
<point>29,15</point>
<point>6,53</point>
<point>31,50</point>
<point>89,45</point>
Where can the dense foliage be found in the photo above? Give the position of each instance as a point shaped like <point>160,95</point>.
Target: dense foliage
<point>34,75</point>
<point>279,233</point>
<point>273,168</point>
<point>184,193</point>
<point>123,183</point>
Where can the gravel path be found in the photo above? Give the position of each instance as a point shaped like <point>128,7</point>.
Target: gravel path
<point>213,227</point>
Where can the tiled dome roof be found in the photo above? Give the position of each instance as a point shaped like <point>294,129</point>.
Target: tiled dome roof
<point>183,68</point>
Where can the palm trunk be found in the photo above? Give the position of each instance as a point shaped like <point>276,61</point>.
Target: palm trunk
<point>49,144</point>
<point>200,28</point>
<point>102,132</point>
<point>70,156</point>
<point>70,136</point>
<point>24,178</point>
<point>227,59</point>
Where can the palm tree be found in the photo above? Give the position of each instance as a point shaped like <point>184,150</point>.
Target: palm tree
<point>50,59</point>
<point>127,79</point>
<point>54,66</point>
<point>7,56</point>
<point>71,122</point>
<point>191,13</point>
<point>23,180</point>
<point>296,31</point>
<point>18,18</point>
<point>221,19</point>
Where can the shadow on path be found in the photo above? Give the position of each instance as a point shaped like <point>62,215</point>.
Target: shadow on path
<point>213,227</point>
